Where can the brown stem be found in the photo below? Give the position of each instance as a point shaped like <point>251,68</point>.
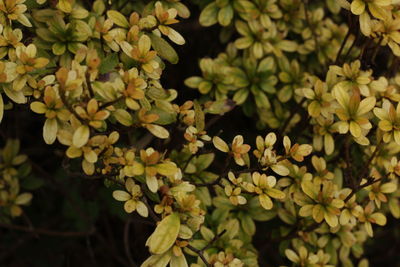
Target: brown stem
<point>111,102</point>
<point>127,241</point>
<point>376,50</point>
<point>153,215</point>
<point>200,253</point>
<point>214,240</point>
<point>369,182</point>
<point>69,107</point>
<point>342,46</point>
<point>89,84</point>
<point>364,170</point>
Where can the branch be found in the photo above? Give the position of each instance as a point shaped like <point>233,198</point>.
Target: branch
<point>111,102</point>
<point>126,243</point>
<point>200,253</point>
<point>370,181</point>
<point>343,45</point>
<point>89,84</point>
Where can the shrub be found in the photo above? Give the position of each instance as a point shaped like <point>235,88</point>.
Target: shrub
<point>302,174</point>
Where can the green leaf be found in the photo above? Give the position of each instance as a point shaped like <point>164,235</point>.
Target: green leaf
<point>164,117</point>
<point>165,234</point>
<point>204,161</point>
<point>157,260</point>
<point>248,225</point>
<point>209,15</point>
<point>109,63</point>
<point>225,15</point>
<point>32,183</point>
<point>118,18</point>
<point>123,117</point>
<point>163,49</point>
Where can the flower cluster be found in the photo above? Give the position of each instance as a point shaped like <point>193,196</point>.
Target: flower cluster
<point>324,172</point>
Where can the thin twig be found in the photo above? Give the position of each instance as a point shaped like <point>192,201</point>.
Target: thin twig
<point>200,253</point>
<point>69,107</point>
<point>369,182</point>
<point>342,46</point>
<point>126,243</point>
<point>111,102</point>
<point>365,169</point>
<point>152,214</point>
<point>218,236</point>
<point>89,84</point>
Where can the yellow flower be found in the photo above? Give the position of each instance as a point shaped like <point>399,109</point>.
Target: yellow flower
<point>14,10</point>
<point>238,149</point>
<point>134,90</point>
<point>147,119</point>
<point>353,77</point>
<point>267,155</point>
<point>264,187</point>
<point>322,174</point>
<point>234,195</point>
<point>377,9</point>
<point>225,259</point>
<point>389,121</point>
<point>92,114</point>
<point>388,31</point>
<point>297,152</point>
<point>353,112</point>
<point>167,17</point>
<point>351,210</point>
<point>142,54</point>
<point>378,190</point>
<point>369,216</point>
<point>54,109</point>
<point>320,99</point>
<point>131,197</point>
<point>192,135</point>
<point>26,63</point>
<point>9,40</point>
<point>302,257</point>
<point>323,131</point>
<point>324,206</point>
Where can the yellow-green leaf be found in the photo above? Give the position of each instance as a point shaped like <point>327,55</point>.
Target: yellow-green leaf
<point>158,131</point>
<point>81,136</point>
<point>209,15</point>
<point>165,234</point>
<point>118,18</point>
<point>164,49</point>
<point>50,131</point>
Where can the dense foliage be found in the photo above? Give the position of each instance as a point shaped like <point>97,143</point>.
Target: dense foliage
<point>281,151</point>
